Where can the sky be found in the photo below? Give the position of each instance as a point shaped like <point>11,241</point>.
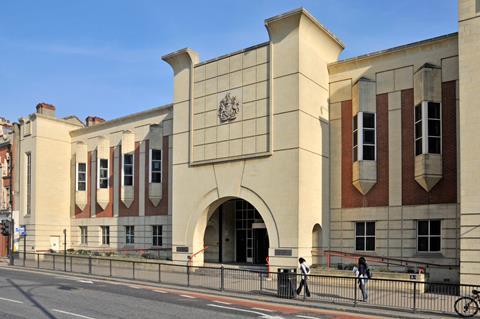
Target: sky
<point>103,58</point>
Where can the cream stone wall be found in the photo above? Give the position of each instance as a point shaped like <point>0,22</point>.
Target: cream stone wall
<point>50,148</point>
<point>469,46</point>
<point>286,186</point>
<point>395,224</point>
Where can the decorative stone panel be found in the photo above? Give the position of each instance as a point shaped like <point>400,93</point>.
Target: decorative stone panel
<point>81,156</point>
<point>155,137</point>
<point>364,172</point>
<point>127,192</point>
<point>103,152</point>
<point>427,82</point>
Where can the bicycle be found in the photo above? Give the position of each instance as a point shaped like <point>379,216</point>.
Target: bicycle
<point>468,306</point>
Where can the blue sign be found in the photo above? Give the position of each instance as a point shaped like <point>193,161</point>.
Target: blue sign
<point>21,231</point>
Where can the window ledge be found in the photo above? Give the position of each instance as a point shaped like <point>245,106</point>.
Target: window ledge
<point>429,255</point>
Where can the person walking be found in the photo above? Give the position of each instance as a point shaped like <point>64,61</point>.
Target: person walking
<point>362,272</point>
<point>305,270</point>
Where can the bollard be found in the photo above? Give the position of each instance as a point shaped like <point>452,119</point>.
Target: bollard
<point>159,272</point>
<point>90,265</point>
<point>133,268</point>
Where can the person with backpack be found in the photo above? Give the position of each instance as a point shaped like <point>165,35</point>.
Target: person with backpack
<point>363,273</point>
<point>305,270</point>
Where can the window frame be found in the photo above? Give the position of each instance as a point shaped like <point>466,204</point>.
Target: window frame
<point>133,169</point>
<point>358,131</point>
<point>429,236</point>
<point>77,174</point>
<point>83,235</point>
<point>99,170</point>
<point>365,236</point>
<point>105,235</point>
<point>151,160</point>
<point>157,235</point>
<point>129,235</point>
<point>425,121</point>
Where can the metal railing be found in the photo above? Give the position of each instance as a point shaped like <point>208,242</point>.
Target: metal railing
<point>386,293</point>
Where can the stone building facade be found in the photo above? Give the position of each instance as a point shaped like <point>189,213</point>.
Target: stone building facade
<point>279,150</point>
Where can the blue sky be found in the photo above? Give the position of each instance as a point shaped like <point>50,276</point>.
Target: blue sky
<point>102,58</point>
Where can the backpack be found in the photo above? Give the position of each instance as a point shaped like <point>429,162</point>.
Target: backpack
<point>369,273</point>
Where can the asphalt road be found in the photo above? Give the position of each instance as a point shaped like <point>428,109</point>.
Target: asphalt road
<point>33,295</point>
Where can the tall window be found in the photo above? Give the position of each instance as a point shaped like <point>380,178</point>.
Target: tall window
<point>128,169</point>
<point>81,177</point>
<point>157,235</point>
<point>364,137</point>
<point>429,235</point>
<point>365,236</point>
<point>130,234</point>
<point>156,166</point>
<point>83,235</point>
<point>428,128</point>
<point>105,235</point>
<point>103,173</point>
<point>29,182</point>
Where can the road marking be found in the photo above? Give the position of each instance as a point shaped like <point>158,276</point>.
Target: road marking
<point>187,296</point>
<point>264,315</point>
<point>86,281</point>
<point>135,287</point>
<point>307,317</point>
<point>222,302</point>
<point>72,314</point>
<point>160,291</point>
<point>263,309</point>
<point>11,300</point>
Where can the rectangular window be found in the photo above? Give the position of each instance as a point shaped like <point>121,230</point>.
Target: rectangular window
<point>365,236</point>
<point>429,236</point>
<point>81,177</point>
<point>83,235</point>
<point>130,234</point>
<point>428,128</point>
<point>155,166</point>
<point>364,137</point>
<point>128,169</point>
<point>477,6</point>
<point>157,235</point>
<point>29,182</point>
<point>102,173</point>
<point>105,235</point>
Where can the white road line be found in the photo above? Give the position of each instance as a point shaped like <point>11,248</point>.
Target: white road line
<point>263,309</point>
<point>86,281</point>
<point>160,291</point>
<point>187,296</point>
<point>72,314</point>
<point>11,300</point>
<point>264,315</point>
<point>307,317</point>
<point>222,302</point>
<point>135,287</point>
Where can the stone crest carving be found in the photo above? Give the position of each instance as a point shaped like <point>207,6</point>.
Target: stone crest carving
<point>228,108</point>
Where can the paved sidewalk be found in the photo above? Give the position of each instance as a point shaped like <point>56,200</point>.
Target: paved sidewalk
<point>361,308</point>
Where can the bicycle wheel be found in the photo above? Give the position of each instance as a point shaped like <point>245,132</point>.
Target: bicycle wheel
<point>466,307</point>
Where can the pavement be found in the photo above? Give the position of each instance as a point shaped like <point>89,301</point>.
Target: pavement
<point>38,294</point>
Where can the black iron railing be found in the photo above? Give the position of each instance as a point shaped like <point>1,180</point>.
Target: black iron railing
<point>407,295</point>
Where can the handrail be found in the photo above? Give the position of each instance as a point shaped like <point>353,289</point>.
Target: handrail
<point>380,259</point>
<point>195,254</point>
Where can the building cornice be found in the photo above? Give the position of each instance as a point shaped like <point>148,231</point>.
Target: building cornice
<point>121,120</point>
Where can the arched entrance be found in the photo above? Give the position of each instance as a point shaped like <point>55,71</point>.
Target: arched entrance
<point>236,233</point>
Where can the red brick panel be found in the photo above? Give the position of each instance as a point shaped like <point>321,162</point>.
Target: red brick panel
<point>446,189</point>
<point>86,212</point>
<point>162,208</point>
<point>123,211</point>
<point>108,212</point>
<point>378,194</point>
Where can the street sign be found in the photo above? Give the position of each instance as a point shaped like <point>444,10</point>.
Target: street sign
<point>21,231</point>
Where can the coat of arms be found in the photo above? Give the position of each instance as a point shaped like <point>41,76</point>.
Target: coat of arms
<point>228,108</point>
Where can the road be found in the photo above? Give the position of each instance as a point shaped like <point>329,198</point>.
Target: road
<point>35,295</point>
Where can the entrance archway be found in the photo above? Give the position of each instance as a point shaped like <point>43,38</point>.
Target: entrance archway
<point>236,233</point>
